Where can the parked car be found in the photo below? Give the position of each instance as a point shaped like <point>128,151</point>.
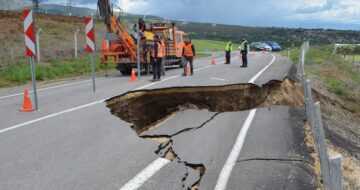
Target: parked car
<point>274,46</point>
<point>259,46</point>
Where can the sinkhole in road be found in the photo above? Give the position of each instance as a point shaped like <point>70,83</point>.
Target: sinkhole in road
<point>146,109</point>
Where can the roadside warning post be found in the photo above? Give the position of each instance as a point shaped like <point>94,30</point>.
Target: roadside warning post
<point>90,46</point>
<point>29,31</point>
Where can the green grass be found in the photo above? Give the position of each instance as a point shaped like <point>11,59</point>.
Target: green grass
<point>294,55</point>
<point>337,73</point>
<point>19,73</point>
<point>202,55</point>
<point>211,45</point>
<point>334,85</point>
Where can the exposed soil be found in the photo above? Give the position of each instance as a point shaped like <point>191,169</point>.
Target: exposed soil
<point>239,97</point>
<point>340,132</point>
<point>56,38</point>
<point>149,108</point>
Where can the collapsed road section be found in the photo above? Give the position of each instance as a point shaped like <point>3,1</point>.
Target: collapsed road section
<point>149,110</point>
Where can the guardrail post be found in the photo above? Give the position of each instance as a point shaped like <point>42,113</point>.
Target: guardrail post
<point>321,147</point>
<point>38,45</point>
<point>12,55</point>
<point>336,172</point>
<point>75,43</point>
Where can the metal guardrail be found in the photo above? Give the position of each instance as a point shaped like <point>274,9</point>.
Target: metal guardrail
<point>331,170</point>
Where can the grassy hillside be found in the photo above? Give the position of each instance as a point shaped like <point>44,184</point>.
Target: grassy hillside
<point>284,36</point>
<point>211,45</point>
<point>57,36</point>
<point>338,74</point>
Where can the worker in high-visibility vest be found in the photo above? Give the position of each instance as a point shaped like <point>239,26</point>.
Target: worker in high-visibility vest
<point>244,51</point>
<point>158,55</point>
<point>188,55</point>
<point>163,46</point>
<point>228,50</point>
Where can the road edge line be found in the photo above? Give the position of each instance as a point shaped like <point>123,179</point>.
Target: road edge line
<point>51,115</point>
<point>252,80</point>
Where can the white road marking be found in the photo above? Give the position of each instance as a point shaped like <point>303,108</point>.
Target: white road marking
<point>145,175</point>
<point>49,88</point>
<point>234,154</point>
<point>50,116</point>
<point>224,80</point>
<point>252,80</point>
<point>223,178</point>
<point>152,84</point>
<point>79,107</point>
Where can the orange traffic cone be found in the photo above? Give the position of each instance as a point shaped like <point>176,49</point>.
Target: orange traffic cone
<point>133,77</point>
<point>188,70</point>
<point>213,62</point>
<point>27,107</point>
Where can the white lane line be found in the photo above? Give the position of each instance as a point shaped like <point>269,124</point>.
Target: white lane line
<point>152,84</point>
<point>224,80</point>
<point>50,116</point>
<point>234,154</point>
<point>252,80</point>
<point>145,175</point>
<point>80,82</point>
<point>49,88</point>
<point>79,107</point>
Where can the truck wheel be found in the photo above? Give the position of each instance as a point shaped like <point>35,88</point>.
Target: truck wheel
<point>125,71</point>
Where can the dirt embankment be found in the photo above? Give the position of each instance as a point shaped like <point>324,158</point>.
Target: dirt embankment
<point>57,36</point>
<point>215,99</point>
<point>150,107</point>
<point>147,112</point>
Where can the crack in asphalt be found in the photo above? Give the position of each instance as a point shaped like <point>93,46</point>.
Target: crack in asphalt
<point>147,109</point>
<point>276,159</point>
<point>171,155</point>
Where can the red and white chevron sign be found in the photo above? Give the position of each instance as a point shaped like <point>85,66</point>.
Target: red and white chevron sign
<point>29,33</point>
<point>90,35</point>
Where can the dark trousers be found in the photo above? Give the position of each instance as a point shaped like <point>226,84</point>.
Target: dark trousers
<point>244,58</point>
<point>227,55</point>
<point>157,68</point>
<point>190,60</point>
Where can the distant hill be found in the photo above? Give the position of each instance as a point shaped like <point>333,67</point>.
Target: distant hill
<point>285,36</point>
<point>13,4</point>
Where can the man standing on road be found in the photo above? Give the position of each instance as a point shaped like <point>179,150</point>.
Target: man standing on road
<point>244,51</point>
<point>188,55</point>
<point>158,55</point>
<point>228,50</point>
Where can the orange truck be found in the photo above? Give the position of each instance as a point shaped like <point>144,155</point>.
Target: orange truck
<point>119,46</point>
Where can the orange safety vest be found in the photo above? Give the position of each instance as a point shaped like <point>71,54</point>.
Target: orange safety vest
<point>161,50</point>
<point>188,52</point>
<point>105,45</point>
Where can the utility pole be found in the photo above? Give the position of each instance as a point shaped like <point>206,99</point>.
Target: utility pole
<point>75,43</point>
<point>69,4</point>
<point>36,5</point>
<point>38,45</point>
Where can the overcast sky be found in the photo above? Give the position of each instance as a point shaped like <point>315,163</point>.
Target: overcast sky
<point>339,14</point>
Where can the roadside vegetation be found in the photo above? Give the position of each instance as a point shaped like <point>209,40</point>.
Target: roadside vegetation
<point>211,45</point>
<point>19,73</point>
<point>338,73</point>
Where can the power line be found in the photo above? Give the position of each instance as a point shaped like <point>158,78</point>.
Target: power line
<point>69,4</point>
<point>36,5</point>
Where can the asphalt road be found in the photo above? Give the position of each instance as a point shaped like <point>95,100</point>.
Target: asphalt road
<point>73,142</point>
